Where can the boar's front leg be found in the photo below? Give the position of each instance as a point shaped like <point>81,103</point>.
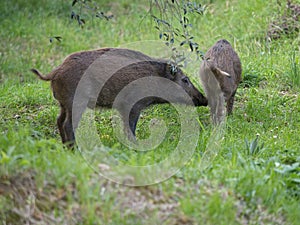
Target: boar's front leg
<point>220,111</point>
<point>133,118</point>
<point>130,121</point>
<point>217,109</point>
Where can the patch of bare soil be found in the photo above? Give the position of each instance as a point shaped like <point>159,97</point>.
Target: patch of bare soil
<point>28,204</point>
<point>286,24</point>
<point>25,202</point>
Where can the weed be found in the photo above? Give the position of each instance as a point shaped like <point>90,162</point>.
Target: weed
<point>253,148</point>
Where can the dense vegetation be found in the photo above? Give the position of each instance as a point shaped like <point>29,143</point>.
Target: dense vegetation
<point>254,178</point>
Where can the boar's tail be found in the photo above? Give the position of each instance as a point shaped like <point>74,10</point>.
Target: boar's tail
<point>46,78</point>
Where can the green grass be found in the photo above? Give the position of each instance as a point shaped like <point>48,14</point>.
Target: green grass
<point>254,178</point>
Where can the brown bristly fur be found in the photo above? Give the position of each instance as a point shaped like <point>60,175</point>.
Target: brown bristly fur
<point>219,87</point>
<point>65,78</point>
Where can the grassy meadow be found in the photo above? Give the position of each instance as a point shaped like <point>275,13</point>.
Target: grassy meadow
<point>254,178</point>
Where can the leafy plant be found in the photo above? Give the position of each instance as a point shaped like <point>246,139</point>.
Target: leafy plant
<point>291,177</point>
<point>253,147</point>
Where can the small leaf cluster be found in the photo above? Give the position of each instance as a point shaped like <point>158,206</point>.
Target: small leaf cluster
<point>79,7</point>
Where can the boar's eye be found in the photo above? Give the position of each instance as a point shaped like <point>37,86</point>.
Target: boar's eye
<point>185,80</point>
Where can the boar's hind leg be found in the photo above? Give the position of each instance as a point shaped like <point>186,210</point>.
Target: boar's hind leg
<point>68,128</point>
<point>230,104</point>
<point>60,123</point>
<point>220,113</point>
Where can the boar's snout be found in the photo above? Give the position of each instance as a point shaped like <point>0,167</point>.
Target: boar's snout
<point>197,97</point>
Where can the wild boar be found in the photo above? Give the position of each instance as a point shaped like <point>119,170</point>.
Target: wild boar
<point>220,74</point>
<point>117,68</point>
